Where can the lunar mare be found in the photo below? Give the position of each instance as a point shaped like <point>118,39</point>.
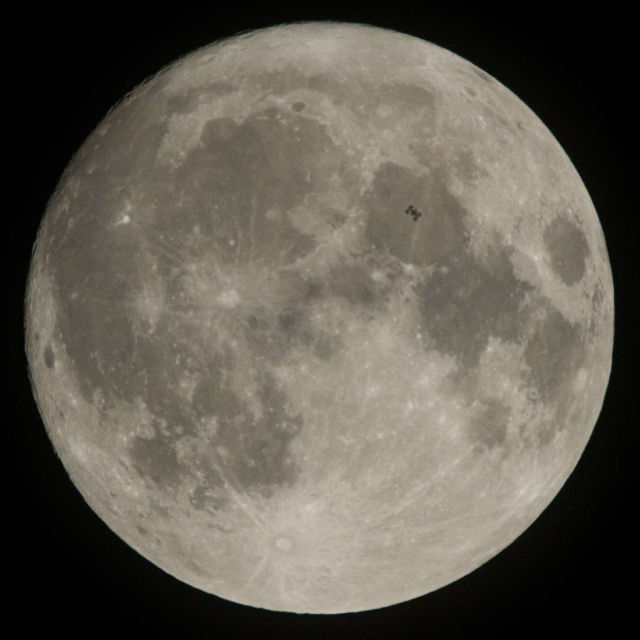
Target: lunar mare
<point>270,381</point>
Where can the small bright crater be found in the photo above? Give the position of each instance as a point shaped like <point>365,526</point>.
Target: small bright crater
<point>284,544</point>
<point>229,298</point>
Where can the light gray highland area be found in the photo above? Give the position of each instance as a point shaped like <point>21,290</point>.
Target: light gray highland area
<point>269,379</point>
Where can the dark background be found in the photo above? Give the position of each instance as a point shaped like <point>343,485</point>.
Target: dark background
<point>574,571</point>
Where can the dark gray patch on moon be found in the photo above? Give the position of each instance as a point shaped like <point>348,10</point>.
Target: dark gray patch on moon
<point>597,298</point>
<point>567,248</point>
<point>196,568</point>
<point>354,284</point>
<point>187,101</point>
<point>298,106</point>
<point>213,396</point>
<point>156,458</point>
<point>439,232</point>
<point>259,457</point>
<point>482,75</point>
<point>295,327</point>
<point>202,500</point>
<point>225,185</point>
<point>266,342</point>
<point>594,324</point>
<point>240,171</point>
<point>465,301</point>
<point>255,450</point>
<point>467,168</point>
<point>94,327</point>
<point>294,323</point>
<point>49,358</point>
<point>489,426</point>
<point>553,354</point>
<point>95,268</point>
<point>326,346</point>
<point>405,97</point>
<point>547,431</point>
<point>290,79</point>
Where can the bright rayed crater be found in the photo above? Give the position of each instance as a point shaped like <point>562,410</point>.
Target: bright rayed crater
<point>273,378</point>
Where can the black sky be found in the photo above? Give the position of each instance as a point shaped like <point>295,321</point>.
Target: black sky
<point>574,571</point>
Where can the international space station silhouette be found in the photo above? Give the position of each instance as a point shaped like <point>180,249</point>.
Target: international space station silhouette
<point>413,212</point>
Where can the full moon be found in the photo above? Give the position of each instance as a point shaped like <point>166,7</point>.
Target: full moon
<point>319,318</point>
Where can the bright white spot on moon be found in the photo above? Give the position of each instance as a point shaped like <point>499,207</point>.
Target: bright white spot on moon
<point>229,298</point>
<point>581,379</point>
<point>284,544</point>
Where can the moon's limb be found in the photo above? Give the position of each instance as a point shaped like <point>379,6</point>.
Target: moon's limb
<point>268,379</point>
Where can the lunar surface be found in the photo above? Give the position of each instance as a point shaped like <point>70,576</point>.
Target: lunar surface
<point>319,318</point>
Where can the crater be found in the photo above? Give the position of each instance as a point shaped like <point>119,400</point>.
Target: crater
<point>284,544</point>
<point>202,499</point>
<point>196,568</point>
<point>567,248</point>
<point>326,345</point>
<point>49,358</point>
<point>482,75</point>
